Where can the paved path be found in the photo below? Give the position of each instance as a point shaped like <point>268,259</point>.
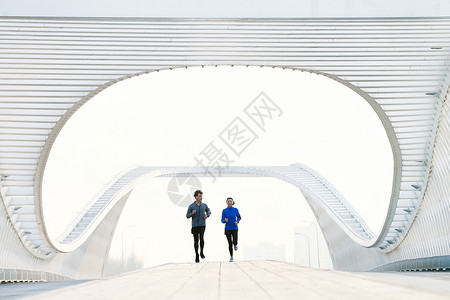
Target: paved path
<point>245,280</point>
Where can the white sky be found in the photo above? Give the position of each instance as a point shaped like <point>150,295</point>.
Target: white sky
<point>167,118</point>
<point>230,8</point>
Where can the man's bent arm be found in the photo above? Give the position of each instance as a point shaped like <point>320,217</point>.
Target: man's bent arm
<point>189,212</point>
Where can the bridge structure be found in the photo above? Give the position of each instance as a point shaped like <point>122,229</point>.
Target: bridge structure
<point>50,67</point>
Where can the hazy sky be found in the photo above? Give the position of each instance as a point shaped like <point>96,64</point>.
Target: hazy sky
<point>167,118</point>
<point>231,8</point>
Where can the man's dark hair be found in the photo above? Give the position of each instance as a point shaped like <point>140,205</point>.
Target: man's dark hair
<point>197,192</point>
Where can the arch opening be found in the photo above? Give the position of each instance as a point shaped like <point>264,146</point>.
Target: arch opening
<point>296,135</point>
<point>261,225</point>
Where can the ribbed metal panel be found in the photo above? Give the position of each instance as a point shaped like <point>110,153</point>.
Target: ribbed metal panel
<point>49,67</point>
<point>85,262</point>
<point>428,240</point>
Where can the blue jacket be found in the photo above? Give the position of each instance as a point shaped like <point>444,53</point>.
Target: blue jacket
<point>232,214</point>
<point>197,218</point>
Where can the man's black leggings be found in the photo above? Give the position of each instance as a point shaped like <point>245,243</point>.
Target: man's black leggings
<point>232,238</point>
<point>198,233</point>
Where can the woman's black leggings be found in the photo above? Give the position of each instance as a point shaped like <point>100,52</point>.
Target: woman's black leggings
<point>232,238</point>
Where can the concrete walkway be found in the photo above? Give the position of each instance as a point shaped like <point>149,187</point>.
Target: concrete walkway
<point>245,280</point>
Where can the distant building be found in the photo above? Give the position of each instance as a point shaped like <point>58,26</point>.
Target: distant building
<point>265,250</point>
<point>310,249</point>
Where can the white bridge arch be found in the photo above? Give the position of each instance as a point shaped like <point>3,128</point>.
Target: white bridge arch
<point>320,194</point>
<point>49,67</point>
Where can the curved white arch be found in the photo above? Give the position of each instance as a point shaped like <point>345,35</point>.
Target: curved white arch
<point>307,180</point>
<point>375,106</point>
<point>402,64</point>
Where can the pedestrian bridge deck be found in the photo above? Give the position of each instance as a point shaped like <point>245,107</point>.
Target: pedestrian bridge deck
<point>243,280</point>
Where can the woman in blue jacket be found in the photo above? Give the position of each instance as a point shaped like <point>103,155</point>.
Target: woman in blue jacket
<point>231,218</point>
